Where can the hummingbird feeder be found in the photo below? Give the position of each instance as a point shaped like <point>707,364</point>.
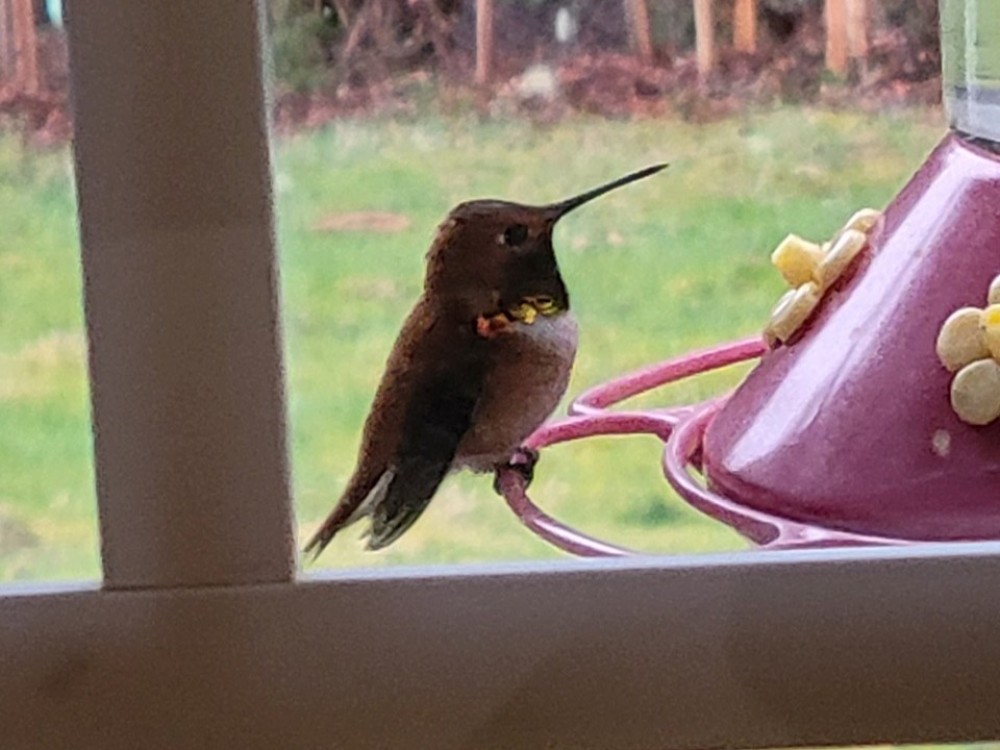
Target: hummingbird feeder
<point>873,414</point>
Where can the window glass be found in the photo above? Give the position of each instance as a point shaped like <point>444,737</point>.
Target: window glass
<point>374,148</point>
<point>383,123</point>
<point>48,526</point>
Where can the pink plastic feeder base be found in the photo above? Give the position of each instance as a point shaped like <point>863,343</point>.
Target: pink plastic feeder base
<point>851,427</point>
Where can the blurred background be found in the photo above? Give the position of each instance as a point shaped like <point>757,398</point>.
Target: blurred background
<point>777,116</point>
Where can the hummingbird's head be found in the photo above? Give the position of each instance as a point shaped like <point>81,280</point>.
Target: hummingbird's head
<point>489,254</point>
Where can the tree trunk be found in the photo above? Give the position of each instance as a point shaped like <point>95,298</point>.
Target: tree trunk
<point>484,41</point>
<point>745,26</point>
<point>704,29</point>
<point>836,36</point>
<point>639,29</point>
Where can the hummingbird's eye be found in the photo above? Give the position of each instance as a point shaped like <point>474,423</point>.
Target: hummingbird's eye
<point>515,234</point>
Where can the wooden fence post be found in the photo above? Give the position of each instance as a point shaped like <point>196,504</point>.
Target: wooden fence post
<point>484,41</point>
<point>704,29</point>
<point>745,26</point>
<point>18,47</point>
<point>857,29</point>
<point>6,45</point>
<point>639,30</point>
<point>835,14</point>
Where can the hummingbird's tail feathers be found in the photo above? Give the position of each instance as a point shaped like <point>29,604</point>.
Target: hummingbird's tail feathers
<point>358,500</point>
<point>414,483</point>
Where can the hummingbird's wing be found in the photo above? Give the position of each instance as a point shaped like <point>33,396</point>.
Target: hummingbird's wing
<point>439,415</point>
<point>422,409</point>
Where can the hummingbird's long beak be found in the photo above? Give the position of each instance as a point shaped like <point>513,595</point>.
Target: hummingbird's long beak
<point>557,210</point>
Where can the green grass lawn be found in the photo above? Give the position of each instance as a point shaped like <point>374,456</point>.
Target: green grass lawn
<point>670,263</point>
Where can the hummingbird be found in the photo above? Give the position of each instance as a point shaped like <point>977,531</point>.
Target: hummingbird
<point>481,361</point>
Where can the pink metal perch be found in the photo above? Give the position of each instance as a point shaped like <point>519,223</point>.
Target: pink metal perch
<point>681,429</point>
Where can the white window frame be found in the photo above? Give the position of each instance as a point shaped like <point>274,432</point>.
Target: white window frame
<point>202,636</point>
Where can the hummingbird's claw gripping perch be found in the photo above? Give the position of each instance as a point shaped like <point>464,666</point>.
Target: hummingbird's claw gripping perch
<point>522,461</point>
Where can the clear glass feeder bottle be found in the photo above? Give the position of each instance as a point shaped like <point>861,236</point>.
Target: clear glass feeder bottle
<point>970,49</point>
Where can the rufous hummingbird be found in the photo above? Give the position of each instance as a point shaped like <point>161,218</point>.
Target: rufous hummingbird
<point>482,360</point>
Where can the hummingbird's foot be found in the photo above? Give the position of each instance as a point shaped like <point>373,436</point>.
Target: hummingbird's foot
<point>522,461</point>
